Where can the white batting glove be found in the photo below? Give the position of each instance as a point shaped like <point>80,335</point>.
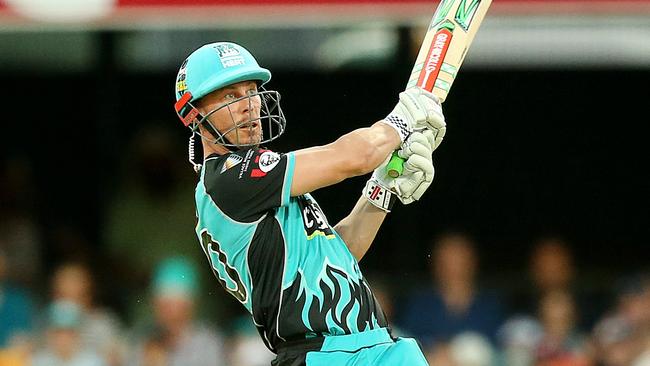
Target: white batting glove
<point>417,110</point>
<point>418,171</point>
<point>382,190</point>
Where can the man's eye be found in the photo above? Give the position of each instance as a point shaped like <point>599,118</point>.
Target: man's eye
<point>229,96</point>
<point>252,92</point>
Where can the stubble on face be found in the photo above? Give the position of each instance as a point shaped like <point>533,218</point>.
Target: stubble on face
<point>239,121</point>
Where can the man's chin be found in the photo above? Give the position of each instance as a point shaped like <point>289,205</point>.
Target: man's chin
<point>243,142</point>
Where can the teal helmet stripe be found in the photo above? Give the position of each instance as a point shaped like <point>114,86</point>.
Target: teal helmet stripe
<point>216,65</point>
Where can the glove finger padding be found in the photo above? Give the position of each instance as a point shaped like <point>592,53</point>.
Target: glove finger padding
<point>427,106</point>
<point>412,104</point>
<point>417,177</point>
<point>405,186</point>
<point>438,138</point>
<point>418,163</point>
<point>418,143</point>
<point>434,136</point>
<point>424,185</point>
<point>431,136</point>
<point>416,110</point>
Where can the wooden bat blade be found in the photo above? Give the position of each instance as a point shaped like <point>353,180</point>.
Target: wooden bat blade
<point>443,50</point>
<point>445,44</point>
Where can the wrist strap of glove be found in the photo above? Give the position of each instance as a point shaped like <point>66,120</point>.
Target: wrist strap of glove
<point>396,122</point>
<point>379,196</point>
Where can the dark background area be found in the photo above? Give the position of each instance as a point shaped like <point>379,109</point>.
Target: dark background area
<point>528,152</point>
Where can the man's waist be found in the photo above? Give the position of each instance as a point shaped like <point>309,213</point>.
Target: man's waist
<point>346,342</point>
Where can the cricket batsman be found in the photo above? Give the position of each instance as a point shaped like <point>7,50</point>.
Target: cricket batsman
<point>267,240</point>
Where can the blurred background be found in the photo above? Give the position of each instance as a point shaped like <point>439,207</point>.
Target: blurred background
<point>530,248</point>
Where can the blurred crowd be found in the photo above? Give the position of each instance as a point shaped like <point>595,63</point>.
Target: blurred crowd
<point>163,301</point>
<point>550,322</point>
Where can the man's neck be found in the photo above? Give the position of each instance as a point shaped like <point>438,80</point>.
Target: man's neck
<point>210,148</point>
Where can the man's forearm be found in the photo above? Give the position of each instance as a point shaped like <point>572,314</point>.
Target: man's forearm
<point>359,228</point>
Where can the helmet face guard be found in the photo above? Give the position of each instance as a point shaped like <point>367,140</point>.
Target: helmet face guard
<point>263,110</point>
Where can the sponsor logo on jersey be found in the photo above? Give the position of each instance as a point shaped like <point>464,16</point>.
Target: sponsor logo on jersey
<point>314,219</point>
<point>229,56</point>
<point>268,160</point>
<point>246,164</point>
<point>231,161</point>
<point>265,163</point>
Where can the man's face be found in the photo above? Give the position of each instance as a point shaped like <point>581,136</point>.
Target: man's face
<point>173,312</point>
<point>551,266</point>
<point>72,283</point>
<point>454,261</point>
<point>243,114</point>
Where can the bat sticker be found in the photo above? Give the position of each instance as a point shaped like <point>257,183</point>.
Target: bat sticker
<point>433,62</point>
<point>466,13</point>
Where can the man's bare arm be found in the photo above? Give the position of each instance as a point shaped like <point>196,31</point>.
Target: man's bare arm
<point>359,228</point>
<point>356,153</point>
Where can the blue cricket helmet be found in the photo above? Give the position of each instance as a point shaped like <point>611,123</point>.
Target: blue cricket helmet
<point>216,65</point>
<point>212,67</point>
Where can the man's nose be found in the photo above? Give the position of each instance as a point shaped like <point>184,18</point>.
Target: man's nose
<point>243,106</point>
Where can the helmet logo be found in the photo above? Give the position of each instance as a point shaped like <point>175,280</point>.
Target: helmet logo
<point>181,84</point>
<point>229,55</point>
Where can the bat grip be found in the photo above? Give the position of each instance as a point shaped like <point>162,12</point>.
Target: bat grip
<point>395,166</point>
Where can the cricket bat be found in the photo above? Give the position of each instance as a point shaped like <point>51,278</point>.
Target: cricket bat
<point>443,50</point>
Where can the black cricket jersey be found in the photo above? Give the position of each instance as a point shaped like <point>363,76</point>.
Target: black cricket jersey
<point>277,254</point>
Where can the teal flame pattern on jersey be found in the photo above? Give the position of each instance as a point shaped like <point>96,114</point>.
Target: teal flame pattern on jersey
<point>322,288</point>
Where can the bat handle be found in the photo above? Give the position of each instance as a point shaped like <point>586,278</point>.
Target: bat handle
<point>395,166</point>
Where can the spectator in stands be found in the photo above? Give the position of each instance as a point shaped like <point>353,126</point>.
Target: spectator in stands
<point>552,269</point>
<point>519,338</point>
<point>454,303</point>
<point>644,358</point>
<point>148,219</point>
<point>622,338</point>
<point>551,266</point>
<point>64,346</point>
<point>19,239</point>
<point>176,338</point>
<point>100,329</point>
<point>245,347</point>
<point>464,349</point>
<point>561,343</point>
<point>16,309</point>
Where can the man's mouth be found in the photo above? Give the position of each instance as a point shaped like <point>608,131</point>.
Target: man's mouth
<point>246,126</point>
